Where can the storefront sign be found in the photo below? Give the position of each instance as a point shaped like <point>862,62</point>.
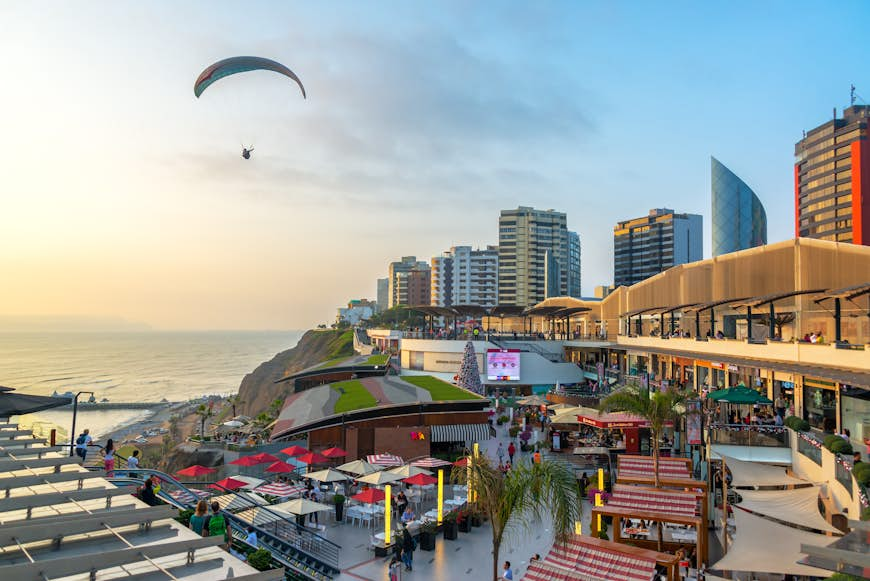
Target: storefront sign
<point>418,436</point>
<point>693,422</point>
<point>717,365</point>
<point>733,368</point>
<point>557,441</point>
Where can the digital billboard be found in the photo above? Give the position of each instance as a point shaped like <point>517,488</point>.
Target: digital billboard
<point>503,365</point>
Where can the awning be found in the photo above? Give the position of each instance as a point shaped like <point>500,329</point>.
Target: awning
<point>634,466</point>
<point>583,558</point>
<point>460,433</point>
<point>616,420</point>
<point>754,474</point>
<point>750,549</point>
<point>799,506</point>
<point>664,501</point>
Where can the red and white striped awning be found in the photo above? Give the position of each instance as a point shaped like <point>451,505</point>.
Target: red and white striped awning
<point>582,558</point>
<point>673,502</point>
<point>642,466</point>
<point>280,489</point>
<point>385,460</point>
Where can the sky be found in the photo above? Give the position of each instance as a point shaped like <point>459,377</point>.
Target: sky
<point>124,197</point>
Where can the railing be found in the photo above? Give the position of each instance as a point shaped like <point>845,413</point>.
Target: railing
<point>751,435</point>
<point>810,448</point>
<point>843,474</point>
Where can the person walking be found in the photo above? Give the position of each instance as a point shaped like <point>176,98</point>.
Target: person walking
<point>511,451</point>
<point>217,524</point>
<point>407,549</point>
<point>197,520</point>
<point>500,453</point>
<point>82,442</point>
<point>109,458</point>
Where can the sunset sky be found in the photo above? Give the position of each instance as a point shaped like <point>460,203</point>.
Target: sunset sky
<point>125,196</point>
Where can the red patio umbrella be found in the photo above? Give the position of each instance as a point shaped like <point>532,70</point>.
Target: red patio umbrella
<point>245,461</point>
<point>421,479</point>
<point>462,462</point>
<point>371,496</point>
<point>229,484</point>
<point>280,467</point>
<point>334,453</point>
<point>294,451</point>
<point>196,470</point>
<point>263,457</point>
<point>312,458</point>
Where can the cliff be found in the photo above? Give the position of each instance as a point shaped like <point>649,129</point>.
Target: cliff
<point>258,388</point>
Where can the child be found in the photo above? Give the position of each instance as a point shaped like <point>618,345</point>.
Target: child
<point>395,569</point>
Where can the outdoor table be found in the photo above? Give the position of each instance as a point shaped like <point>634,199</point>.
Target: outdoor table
<point>455,502</point>
<point>431,514</point>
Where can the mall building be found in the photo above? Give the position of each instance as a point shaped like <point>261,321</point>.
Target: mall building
<point>752,316</point>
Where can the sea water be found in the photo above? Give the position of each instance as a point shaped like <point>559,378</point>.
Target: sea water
<point>131,367</point>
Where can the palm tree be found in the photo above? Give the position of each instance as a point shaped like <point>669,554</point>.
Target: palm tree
<point>515,500</point>
<point>204,412</point>
<point>657,408</point>
<point>235,400</point>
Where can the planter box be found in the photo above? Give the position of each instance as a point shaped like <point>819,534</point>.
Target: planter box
<point>476,521</point>
<point>427,541</point>
<point>465,525</point>
<point>451,531</point>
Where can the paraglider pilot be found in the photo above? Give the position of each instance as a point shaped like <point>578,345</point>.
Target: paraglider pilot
<point>246,153</point>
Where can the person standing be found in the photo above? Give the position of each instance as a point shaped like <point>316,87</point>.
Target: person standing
<point>133,463</point>
<point>507,571</point>
<point>197,521</point>
<point>251,539</point>
<point>779,405</point>
<point>313,517</point>
<point>511,451</point>
<point>500,453</point>
<point>407,549</point>
<point>82,442</point>
<point>109,458</point>
<point>217,524</point>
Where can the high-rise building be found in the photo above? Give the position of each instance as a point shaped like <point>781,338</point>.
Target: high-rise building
<point>574,265</point>
<point>408,282</point>
<point>383,294</point>
<point>525,235</point>
<point>649,245</point>
<point>462,276</point>
<point>739,220</point>
<point>832,179</point>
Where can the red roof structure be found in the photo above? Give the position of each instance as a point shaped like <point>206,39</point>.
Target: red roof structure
<point>632,466</point>
<point>581,558</point>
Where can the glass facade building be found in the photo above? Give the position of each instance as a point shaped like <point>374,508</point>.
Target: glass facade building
<point>739,220</point>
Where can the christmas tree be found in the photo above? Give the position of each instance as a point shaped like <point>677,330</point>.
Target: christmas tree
<point>469,372</point>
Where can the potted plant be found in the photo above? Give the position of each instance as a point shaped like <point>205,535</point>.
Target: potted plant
<point>338,499</point>
<point>449,527</point>
<point>428,532</point>
<point>513,431</point>
<point>476,518</point>
<point>261,560</point>
<point>463,521</point>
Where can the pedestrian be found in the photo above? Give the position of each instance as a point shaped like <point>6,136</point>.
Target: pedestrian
<point>537,457</point>
<point>507,571</point>
<point>584,484</point>
<point>407,548</point>
<point>197,520</point>
<point>395,569</point>
<point>251,539</point>
<point>109,458</point>
<point>511,451</point>
<point>148,495</point>
<point>500,453</point>
<point>856,458</point>
<point>82,442</point>
<point>217,525</point>
<point>313,495</point>
<point>779,406</point>
<point>133,463</point>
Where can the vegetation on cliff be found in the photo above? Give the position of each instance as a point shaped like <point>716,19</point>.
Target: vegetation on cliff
<point>258,389</point>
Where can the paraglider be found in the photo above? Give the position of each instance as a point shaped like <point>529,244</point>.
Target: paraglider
<point>241,64</point>
<point>246,153</point>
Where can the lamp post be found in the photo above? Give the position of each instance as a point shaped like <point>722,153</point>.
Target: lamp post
<point>72,435</point>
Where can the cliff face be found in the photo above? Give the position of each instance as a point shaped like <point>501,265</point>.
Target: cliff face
<point>258,388</point>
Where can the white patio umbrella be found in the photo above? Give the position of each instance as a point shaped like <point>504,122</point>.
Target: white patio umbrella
<point>379,478</point>
<point>299,506</point>
<point>328,475</point>
<point>408,470</point>
<point>359,467</point>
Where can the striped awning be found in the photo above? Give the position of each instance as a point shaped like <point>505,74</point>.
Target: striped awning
<point>640,466</point>
<point>384,460</point>
<point>259,517</point>
<point>430,463</point>
<point>280,489</point>
<point>663,501</point>
<point>460,433</point>
<point>583,558</point>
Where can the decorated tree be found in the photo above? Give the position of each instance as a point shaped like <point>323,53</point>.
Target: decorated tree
<point>469,372</point>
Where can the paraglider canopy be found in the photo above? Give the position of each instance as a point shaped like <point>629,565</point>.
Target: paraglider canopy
<point>241,64</point>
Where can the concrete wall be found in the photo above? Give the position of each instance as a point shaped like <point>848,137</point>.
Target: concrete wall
<point>826,475</point>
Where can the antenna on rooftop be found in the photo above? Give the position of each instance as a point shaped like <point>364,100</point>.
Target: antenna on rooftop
<point>852,95</point>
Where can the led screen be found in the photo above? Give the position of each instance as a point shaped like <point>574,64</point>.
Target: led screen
<point>503,365</point>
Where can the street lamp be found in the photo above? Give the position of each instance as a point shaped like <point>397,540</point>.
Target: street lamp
<point>72,435</point>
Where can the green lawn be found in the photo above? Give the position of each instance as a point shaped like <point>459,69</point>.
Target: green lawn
<point>355,396</point>
<point>377,360</point>
<point>440,390</point>
<point>332,362</point>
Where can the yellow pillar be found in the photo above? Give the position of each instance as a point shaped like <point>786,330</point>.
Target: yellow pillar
<point>578,527</point>
<point>598,503</point>
<point>388,512</point>
<point>476,449</point>
<point>601,479</point>
<point>440,495</point>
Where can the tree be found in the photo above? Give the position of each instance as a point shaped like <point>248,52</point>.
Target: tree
<point>657,408</point>
<point>204,412</point>
<point>513,501</point>
<point>469,372</point>
<point>235,400</point>
<point>779,321</point>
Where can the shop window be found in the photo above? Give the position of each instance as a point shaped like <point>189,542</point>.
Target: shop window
<point>820,408</point>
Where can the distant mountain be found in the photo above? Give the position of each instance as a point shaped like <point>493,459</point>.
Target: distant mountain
<point>67,324</point>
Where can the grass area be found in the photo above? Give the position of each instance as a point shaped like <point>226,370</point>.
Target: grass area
<point>377,360</point>
<point>331,362</point>
<point>354,396</point>
<point>339,348</point>
<point>440,390</point>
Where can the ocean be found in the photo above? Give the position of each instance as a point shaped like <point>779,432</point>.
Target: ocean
<point>131,367</point>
